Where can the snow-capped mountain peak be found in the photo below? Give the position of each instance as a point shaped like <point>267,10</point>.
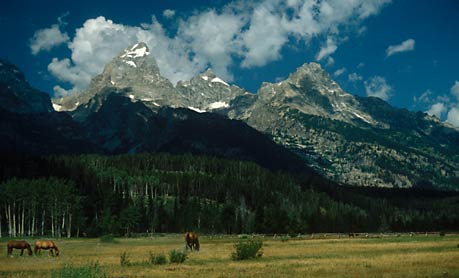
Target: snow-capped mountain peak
<point>137,50</point>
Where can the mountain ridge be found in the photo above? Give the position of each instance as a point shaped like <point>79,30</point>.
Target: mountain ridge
<point>349,139</point>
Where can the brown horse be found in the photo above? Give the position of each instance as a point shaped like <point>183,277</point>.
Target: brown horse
<point>192,241</point>
<point>46,245</point>
<point>18,244</point>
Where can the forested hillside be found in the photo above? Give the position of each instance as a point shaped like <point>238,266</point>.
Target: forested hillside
<point>94,195</point>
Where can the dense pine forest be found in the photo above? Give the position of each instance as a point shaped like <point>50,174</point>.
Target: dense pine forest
<point>92,195</point>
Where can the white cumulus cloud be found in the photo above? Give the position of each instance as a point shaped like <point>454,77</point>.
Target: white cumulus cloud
<point>47,38</point>
<point>168,13</point>
<point>455,90</point>
<point>377,86</point>
<point>326,50</point>
<point>339,72</point>
<point>453,116</point>
<point>203,34</point>
<point>405,46</point>
<point>354,77</point>
<point>442,105</point>
<point>437,109</point>
<point>251,33</point>
<point>330,61</point>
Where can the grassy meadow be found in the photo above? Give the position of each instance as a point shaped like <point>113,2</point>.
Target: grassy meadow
<point>320,256</point>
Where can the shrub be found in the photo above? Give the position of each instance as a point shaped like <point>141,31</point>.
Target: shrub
<point>92,270</point>
<point>442,233</point>
<point>284,238</point>
<point>124,259</point>
<point>247,249</point>
<point>176,256</point>
<point>108,239</point>
<point>157,258</point>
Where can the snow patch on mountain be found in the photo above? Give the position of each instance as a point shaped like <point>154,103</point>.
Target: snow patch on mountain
<point>135,52</point>
<point>196,109</point>
<point>362,117</point>
<point>218,80</point>
<point>57,107</point>
<point>131,63</point>
<point>218,104</point>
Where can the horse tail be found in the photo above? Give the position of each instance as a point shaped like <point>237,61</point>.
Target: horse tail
<point>29,249</point>
<point>197,243</point>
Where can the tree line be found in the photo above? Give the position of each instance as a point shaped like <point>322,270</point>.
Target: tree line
<point>94,195</point>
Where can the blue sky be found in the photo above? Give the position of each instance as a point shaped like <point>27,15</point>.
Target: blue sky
<point>405,51</point>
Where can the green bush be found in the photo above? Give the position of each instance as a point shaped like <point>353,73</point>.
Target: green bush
<point>176,256</point>
<point>92,270</point>
<point>247,249</point>
<point>284,238</point>
<point>157,258</point>
<point>124,259</point>
<point>108,239</point>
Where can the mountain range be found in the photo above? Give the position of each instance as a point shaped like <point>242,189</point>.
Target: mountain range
<point>304,123</point>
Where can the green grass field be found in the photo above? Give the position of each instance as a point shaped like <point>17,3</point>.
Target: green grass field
<point>388,256</point>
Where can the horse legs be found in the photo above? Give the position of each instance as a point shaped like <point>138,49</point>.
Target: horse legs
<point>22,251</point>
<point>10,251</point>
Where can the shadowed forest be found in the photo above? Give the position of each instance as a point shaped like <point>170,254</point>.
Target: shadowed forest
<point>92,195</point>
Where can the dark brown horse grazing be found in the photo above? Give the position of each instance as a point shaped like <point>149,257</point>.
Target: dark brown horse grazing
<point>192,241</point>
<point>18,244</point>
<point>47,245</point>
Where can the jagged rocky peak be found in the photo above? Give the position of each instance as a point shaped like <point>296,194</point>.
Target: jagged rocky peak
<point>312,76</point>
<point>308,79</point>
<point>210,76</point>
<point>9,73</point>
<point>207,74</point>
<point>16,95</point>
<point>310,91</point>
<point>208,92</point>
<point>133,73</point>
<point>135,58</point>
<point>135,55</point>
<point>137,50</point>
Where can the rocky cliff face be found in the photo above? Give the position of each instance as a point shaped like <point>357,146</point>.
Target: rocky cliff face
<point>208,92</point>
<point>354,140</point>
<point>132,116</point>
<point>134,74</point>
